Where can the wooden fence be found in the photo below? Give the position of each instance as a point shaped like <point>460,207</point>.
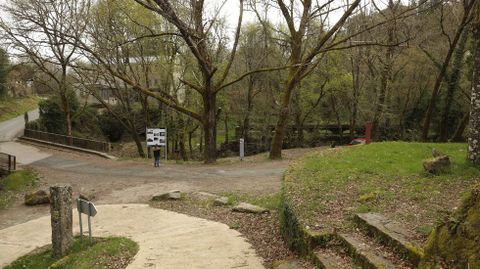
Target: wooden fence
<point>68,140</point>
<point>8,163</point>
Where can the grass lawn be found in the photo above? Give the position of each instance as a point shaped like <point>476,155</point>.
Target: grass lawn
<point>14,183</point>
<point>326,188</point>
<point>111,252</point>
<point>13,107</point>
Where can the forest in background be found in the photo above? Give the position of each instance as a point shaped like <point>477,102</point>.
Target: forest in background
<point>404,66</point>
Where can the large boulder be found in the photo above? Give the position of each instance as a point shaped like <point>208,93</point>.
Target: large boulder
<point>248,208</point>
<point>456,242</point>
<point>37,198</point>
<point>171,195</point>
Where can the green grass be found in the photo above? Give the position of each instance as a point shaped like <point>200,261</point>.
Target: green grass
<point>13,107</point>
<point>101,254</point>
<point>14,183</point>
<point>385,177</point>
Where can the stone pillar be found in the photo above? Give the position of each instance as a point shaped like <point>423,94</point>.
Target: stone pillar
<point>61,212</point>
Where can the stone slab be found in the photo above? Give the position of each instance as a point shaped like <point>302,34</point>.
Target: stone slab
<point>363,254</point>
<point>392,232</point>
<point>249,208</point>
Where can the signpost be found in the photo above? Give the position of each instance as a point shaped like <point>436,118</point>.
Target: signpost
<point>157,137</point>
<point>89,209</point>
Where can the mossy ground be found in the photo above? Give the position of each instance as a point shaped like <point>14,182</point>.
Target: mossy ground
<point>15,183</point>
<point>454,244</point>
<point>112,252</point>
<point>327,187</point>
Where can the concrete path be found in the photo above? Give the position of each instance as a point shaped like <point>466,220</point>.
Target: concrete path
<point>10,129</point>
<point>166,239</point>
<point>25,154</point>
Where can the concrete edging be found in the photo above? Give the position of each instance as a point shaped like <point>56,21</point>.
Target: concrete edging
<point>89,151</point>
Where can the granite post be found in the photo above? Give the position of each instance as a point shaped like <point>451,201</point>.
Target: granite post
<point>61,214</point>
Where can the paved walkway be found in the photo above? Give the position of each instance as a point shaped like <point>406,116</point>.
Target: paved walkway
<point>12,128</point>
<point>25,154</point>
<point>166,239</point>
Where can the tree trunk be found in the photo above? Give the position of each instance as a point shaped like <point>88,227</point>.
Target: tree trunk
<point>453,81</point>
<point>277,140</point>
<point>355,93</point>
<point>458,136</point>
<point>68,117</point>
<point>337,115</point>
<point>246,120</point>
<point>182,137</point>
<point>384,84</point>
<point>210,126</point>
<point>138,142</point>
<point>474,125</point>
<point>226,127</point>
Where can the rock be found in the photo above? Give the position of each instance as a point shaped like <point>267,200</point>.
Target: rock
<point>220,201</point>
<point>248,208</point>
<point>204,196</point>
<point>437,165</point>
<point>454,243</point>
<point>37,198</point>
<point>436,153</point>
<point>171,195</point>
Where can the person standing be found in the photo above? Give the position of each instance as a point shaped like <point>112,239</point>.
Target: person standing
<point>156,156</point>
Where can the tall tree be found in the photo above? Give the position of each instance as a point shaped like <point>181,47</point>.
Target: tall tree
<point>305,53</point>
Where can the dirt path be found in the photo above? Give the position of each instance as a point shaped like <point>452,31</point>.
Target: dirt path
<point>113,182</point>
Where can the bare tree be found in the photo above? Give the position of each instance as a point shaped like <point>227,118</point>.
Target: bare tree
<point>307,43</point>
<point>37,29</point>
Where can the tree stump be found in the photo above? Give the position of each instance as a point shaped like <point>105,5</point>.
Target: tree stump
<point>61,213</point>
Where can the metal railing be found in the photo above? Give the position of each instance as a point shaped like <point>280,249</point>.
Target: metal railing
<point>68,140</point>
<point>8,163</point>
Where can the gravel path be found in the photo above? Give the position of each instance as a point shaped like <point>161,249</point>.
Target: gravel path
<point>112,182</point>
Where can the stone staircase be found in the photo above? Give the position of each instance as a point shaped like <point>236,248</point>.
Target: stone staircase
<point>377,243</point>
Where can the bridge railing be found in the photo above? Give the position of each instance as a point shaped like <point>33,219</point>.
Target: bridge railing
<point>8,163</point>
<point>68,140</point>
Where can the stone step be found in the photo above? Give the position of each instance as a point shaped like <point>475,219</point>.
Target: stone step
<point>392,234</point>
<point>329,258</point>
<point>363,253</point>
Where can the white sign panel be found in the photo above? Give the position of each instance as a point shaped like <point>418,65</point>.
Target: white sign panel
<point>156,137</point>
